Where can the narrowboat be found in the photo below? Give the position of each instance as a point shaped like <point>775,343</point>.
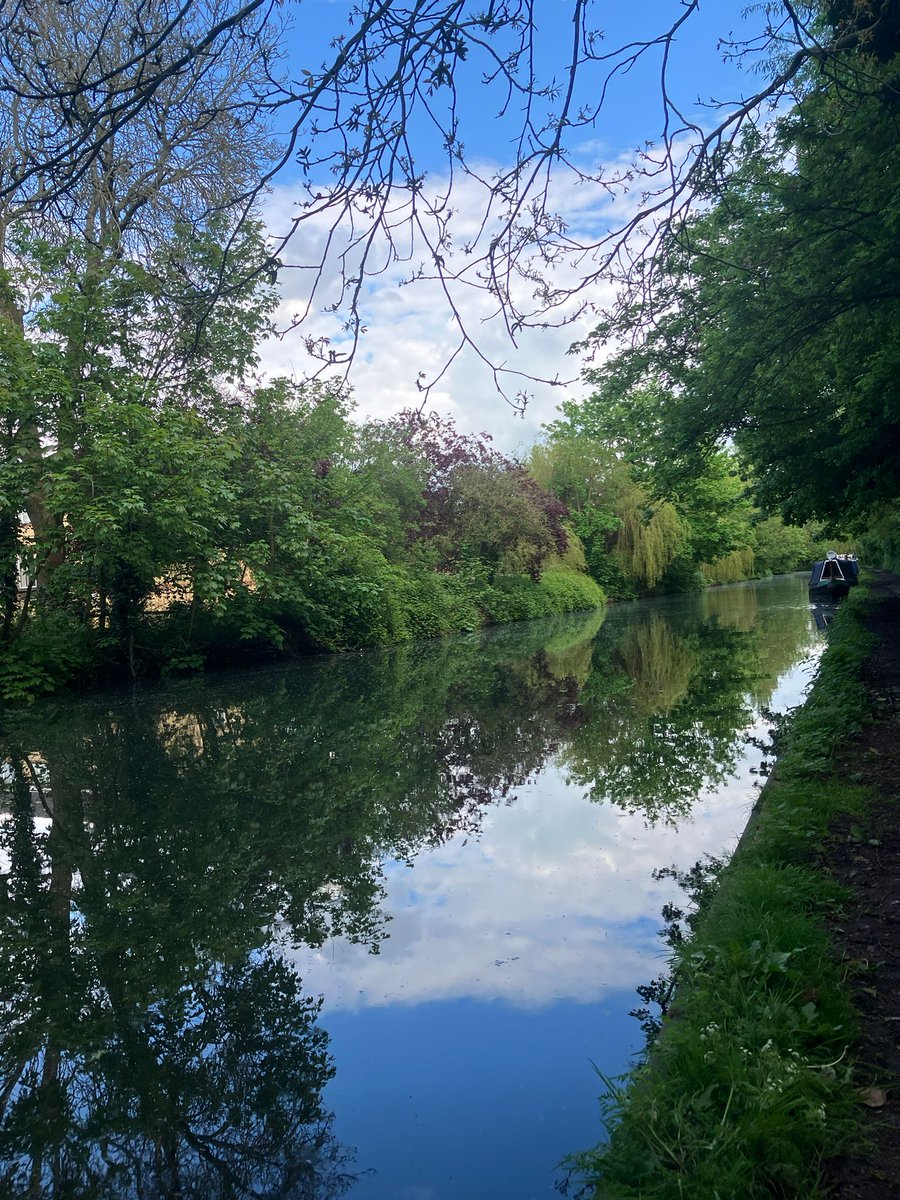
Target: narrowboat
<point>833,576</point>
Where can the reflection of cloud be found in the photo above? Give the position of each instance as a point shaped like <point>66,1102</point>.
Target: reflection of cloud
<point>555,900</point>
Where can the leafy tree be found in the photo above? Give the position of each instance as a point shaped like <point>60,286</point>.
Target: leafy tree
<point>585,471</point>
<point>775,307</point>
<point>644,521</point>
<point>303,543</point>
<point>779,548</point>
<point>133,423</point>
<point>599,488</point>
<point>105,250</point>
<point>388,478</point>
<point>146,502</point>
<point>479,506</point>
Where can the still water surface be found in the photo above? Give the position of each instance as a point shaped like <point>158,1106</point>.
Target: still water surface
<point>362,926</point>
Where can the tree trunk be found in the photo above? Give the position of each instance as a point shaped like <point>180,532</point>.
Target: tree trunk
<point>27,441</point>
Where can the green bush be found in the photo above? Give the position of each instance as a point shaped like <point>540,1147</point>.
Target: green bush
<point>512,598</point>
<point>438,603</point>
<point>464,590</point>
<point>520,598</point>
<point>53,652</point>
<point>427,605</point>
<point>568,591</point>
<point>880,545</point>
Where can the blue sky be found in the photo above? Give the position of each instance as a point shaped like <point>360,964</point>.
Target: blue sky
<point>697,67</point>
<point>410,329</point>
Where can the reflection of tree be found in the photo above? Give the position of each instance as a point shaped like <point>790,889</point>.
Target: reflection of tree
<point>139,1058</point>
<point>155,1041</point>
<point>660,664</point>
<point>784,633</point>
<point>737,607</point>
<point>670,693</point>
<point>777,612</point>
<point>653,759</point>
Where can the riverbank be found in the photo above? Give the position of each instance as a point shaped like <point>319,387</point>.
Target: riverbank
<point>868,933</point>
<point>59,652</point>
<point>770,1074</point>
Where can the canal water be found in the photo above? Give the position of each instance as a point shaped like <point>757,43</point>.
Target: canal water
<point>368,925</point>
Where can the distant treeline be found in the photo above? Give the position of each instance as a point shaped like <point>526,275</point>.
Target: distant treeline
<point>643,528</point>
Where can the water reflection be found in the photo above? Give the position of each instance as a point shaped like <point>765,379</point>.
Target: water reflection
<point>178,865</point>
<point>824,612</point>
<point>146,1049</point>
<point>669,694</point>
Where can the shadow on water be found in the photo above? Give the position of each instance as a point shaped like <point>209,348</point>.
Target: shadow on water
<point>162,850</point>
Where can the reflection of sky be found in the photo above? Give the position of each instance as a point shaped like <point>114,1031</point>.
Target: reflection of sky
<point>464,1049</point>
<point>467,1100</point>
<point>41,826</point>
<point>553,901</point>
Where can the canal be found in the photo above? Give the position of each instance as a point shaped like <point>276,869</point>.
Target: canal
<point>367,924</point>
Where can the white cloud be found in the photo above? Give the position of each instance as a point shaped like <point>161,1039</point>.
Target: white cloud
<point>411,329</point>
<point>556,900</point>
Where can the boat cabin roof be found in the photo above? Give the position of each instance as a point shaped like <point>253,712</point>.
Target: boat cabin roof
<point>840,568</point>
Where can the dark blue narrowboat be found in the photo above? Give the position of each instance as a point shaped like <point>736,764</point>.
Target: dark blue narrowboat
<point>834,576</point>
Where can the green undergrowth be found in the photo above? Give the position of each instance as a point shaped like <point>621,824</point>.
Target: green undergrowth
<point>379,608</point>
<point>748,1088</point>
<point>436,604</point>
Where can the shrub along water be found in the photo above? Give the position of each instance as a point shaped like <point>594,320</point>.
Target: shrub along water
<point>745,1092</point>
<point>391,607</point>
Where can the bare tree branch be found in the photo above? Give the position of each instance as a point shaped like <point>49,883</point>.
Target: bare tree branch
<point>377,132</point>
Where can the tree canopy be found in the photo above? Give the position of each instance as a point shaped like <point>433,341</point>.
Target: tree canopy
<point>766,320</point>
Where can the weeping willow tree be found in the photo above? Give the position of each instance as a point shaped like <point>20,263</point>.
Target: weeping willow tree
<point>632,527</point>
<point>648,541</point>
<point>731,568</point>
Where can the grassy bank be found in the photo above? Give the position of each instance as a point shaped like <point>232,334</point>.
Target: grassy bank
<point>748,1089</point>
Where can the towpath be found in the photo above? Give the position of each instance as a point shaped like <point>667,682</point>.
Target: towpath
<point>867,862</point>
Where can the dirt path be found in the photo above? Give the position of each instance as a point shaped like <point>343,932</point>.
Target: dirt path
<point>867,861</point>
